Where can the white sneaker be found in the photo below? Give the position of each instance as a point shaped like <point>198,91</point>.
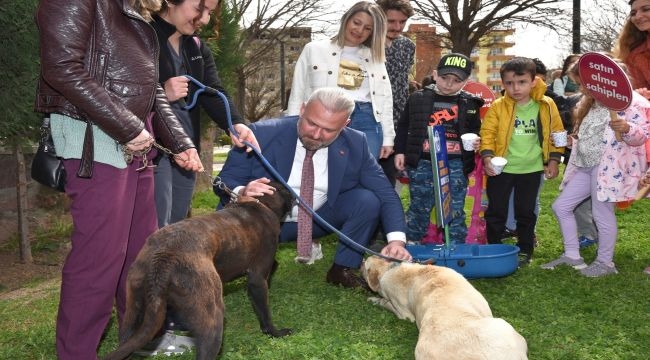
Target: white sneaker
<point>168,344</point>
<point>316,254</point>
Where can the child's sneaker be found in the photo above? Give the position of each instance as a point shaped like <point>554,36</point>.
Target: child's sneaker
<point>586,242</point>
<point>647,270</point>
<point>524,260</point>
<point>598,269</point>
<point>564,260</point>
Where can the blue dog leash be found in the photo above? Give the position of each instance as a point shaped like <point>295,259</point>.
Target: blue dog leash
<point>276,175</point>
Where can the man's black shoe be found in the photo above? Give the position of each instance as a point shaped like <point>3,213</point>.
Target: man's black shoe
<point>344,276</point>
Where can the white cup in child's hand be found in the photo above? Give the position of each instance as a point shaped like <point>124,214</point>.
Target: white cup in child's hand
<point>498,163</point>
<point>559,138</point>
<point>468,141</point>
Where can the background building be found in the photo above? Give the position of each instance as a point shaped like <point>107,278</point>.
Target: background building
<point>427,49</point>
<point>267,89</point>
<point>489,57</point>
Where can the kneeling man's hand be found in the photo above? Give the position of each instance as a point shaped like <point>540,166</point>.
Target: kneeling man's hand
<point>396,249</point>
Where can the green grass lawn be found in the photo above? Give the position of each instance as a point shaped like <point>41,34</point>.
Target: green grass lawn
<point>561,314</point>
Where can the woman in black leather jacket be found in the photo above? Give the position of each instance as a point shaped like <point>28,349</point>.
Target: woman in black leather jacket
<point>99,85</point>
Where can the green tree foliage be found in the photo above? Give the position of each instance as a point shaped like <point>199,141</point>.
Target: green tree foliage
<point>19,62</point>
<point>222,35</point>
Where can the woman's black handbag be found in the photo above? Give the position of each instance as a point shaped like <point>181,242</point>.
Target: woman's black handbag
<point>47,168</point>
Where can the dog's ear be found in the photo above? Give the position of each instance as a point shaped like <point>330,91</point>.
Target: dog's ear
<point>280,202</point>
<point>372,273</point>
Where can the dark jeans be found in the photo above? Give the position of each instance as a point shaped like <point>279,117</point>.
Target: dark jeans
<point>388,165</point>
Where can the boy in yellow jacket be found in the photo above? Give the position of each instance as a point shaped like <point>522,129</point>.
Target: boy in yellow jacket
<point>518,127</point>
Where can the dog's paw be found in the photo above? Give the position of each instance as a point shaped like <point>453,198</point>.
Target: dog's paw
<point>277,332</point>
<point>377,301</point>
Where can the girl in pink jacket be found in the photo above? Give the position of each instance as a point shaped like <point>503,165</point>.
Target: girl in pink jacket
<point>604,168</point>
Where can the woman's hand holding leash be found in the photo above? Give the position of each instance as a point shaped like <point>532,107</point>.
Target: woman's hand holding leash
<point>189,160</point>
<point>143,141</point>
<point>176,88</point>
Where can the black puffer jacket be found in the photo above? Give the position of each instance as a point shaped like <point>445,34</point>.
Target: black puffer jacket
<point>412,127</point>
<point>100,64</point>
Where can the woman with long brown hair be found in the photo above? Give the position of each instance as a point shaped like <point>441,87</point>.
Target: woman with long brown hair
<point>633,45</point>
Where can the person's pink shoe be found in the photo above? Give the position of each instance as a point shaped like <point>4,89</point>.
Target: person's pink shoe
<point>647,270</point>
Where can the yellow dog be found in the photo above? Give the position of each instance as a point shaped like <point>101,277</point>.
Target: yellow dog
<point>454,319</point>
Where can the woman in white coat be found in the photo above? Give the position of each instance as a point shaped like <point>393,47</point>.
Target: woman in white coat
<point>355,61</point>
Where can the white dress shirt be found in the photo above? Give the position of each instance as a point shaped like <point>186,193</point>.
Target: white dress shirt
<point>320,178</point>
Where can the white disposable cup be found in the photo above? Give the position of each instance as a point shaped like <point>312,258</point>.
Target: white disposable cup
<point>468,141</point>
<point>559,138</point>
<point>498,163</point>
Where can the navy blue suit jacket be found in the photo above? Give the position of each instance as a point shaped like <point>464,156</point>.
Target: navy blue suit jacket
<point>350,165</point>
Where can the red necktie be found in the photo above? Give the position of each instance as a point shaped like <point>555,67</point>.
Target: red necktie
<point>304,217</point>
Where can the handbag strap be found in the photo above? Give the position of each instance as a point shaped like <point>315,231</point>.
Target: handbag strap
<point>87,154</point>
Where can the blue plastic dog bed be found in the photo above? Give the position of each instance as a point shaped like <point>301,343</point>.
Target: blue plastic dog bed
<point>470,260</point>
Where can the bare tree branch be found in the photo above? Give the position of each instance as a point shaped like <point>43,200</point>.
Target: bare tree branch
<point>602,23</point>
<point>465,23</point>
<point>263,19</point>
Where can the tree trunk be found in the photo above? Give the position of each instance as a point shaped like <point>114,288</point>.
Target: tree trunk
<point>240,100</point>
<point>21,198</point>
<point>207,154</point>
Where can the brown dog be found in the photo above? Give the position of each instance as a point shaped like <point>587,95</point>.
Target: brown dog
<point>454,319</point>
<point>183,265</point>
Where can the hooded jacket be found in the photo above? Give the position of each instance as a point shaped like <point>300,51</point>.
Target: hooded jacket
<point>499,123</point>
<point>623,163</point>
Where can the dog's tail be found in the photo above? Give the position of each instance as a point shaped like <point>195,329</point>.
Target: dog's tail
<point>151,323</point>
<point>154,306</point>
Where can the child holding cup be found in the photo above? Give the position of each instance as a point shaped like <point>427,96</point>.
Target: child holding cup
<point>604,168</point>
<point>517,128</point>
<point>444,103</point>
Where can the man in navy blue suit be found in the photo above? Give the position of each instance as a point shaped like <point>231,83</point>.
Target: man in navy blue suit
<point>351,191</point>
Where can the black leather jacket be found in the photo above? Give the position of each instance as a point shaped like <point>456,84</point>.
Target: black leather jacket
<point>99,64</point>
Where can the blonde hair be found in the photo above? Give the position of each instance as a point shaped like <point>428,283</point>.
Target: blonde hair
<point>377,39</point>
<point>146,7</point>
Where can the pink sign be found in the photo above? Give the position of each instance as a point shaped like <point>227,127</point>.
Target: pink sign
<point>605,81</point>
<point>482,91</point>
